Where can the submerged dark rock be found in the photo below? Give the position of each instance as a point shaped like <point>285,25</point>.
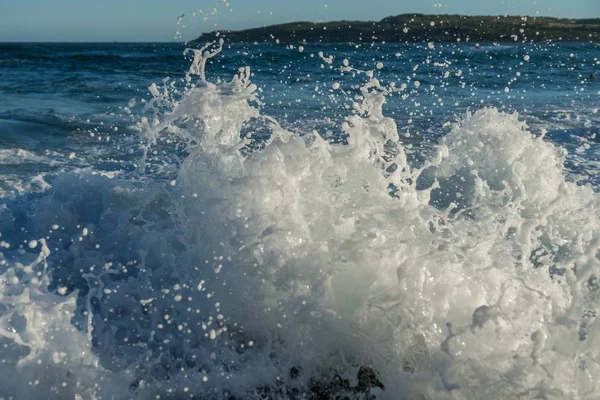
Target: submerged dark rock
<point>331,386</point>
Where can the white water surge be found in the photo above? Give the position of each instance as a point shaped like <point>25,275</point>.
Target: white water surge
<point>279,265</point>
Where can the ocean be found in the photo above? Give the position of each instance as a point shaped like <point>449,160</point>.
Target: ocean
<point>306,221</point>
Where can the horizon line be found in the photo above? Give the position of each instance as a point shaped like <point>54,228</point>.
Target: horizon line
<point>287,23</point>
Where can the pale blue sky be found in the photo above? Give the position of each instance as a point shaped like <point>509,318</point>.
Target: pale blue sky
<point>156,20</point>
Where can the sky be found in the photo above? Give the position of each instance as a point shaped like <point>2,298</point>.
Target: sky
<point>157,20</point>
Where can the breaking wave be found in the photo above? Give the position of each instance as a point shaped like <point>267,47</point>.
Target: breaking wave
<point>284,265</point>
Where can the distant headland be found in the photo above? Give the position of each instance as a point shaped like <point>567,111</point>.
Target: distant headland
<point>421,27</point>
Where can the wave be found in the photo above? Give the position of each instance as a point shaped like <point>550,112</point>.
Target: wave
<point>279,265</point>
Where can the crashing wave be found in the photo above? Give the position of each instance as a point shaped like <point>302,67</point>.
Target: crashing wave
<point>280,265</point>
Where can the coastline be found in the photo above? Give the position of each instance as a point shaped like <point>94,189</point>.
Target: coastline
<point>422,27</point>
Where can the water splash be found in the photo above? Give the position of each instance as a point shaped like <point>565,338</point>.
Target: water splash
<point>280,265</point>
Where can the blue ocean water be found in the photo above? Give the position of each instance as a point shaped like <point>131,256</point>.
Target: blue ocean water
<point>54,96</point>
<point>272,233</point>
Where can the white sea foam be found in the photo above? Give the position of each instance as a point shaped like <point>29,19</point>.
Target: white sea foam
<point>21,156</point>
<point>274,265</point>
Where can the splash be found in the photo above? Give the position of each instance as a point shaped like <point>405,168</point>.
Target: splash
<point>282,265</point>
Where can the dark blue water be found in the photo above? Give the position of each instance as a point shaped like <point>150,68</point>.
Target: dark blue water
<point>58,99</point>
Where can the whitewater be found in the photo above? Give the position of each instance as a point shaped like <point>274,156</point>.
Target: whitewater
<point>284,263</point>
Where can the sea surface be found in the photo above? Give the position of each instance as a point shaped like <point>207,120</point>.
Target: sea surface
<point>370,220</point>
